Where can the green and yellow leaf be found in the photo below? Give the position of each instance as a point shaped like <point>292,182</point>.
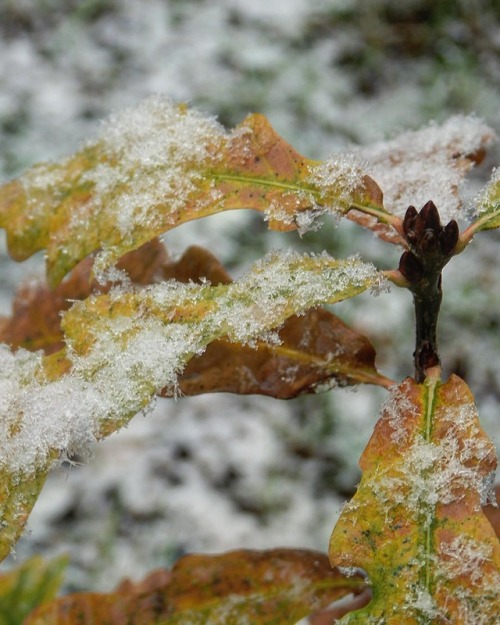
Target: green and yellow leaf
<point>415,524</point>
<point>126,346</point>
<point>276,587</point>
<point>160,165</point>
<point>487,208</point>
<point>28,586</point>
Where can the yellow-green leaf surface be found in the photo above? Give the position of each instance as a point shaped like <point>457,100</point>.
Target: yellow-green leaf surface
<point>487,207</point>
<point>33,583</point>
<point>275,587</point>
<point>126,346</point>
<point>160,165</point>
<point>315,348</point>
<point>415,524</point>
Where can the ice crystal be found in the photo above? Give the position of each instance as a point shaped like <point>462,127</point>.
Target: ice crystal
<point>436,471</point>
<point>155,154</point>
<point>427,164</point>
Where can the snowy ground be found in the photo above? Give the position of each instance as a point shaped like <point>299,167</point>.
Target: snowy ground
<point>217,472</point>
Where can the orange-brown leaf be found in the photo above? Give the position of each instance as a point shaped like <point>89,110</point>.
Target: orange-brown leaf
<point>416,525</point>
<point>493,512</point>
<point>161,165</point>
<point>317,350</point>
<point>35,322</point>
<point>276,587</point>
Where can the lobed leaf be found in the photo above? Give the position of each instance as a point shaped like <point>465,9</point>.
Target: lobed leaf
<point>28,586</point>
<point>315,349</point>
<point>415,524</point>
<point>276,587</point>
<point>125,346</point>
<point>160,165</point>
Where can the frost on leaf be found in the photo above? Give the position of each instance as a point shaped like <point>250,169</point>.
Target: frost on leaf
<point>125,346</point>
<point>315,348</point>
<point>276,587</point>
<point>415,524</point>
<point>157,166</point>
<point>428,164</point>
<point>487,211</point>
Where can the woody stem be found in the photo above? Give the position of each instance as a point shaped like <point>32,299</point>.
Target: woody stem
<point>427,296</point>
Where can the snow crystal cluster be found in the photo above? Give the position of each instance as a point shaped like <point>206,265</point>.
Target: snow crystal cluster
<point>337,178</point>
<point>490,196</point>
<point>427,164</point>
<point>155,154</point>
<point>432,471</point>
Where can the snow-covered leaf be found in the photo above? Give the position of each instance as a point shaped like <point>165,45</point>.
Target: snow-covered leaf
<point>488,206</point>
<point>125,346</point>
<point>415,524</point>
<point>276,587</point>
<point>314,349</point>
<point>428,164</point>
<point>159,165</point>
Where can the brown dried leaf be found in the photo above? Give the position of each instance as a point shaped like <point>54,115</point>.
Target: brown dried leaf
<point>276,587</point>
<point>36,312</point>
<point>317,350</point>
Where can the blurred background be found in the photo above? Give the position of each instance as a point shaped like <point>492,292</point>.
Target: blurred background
<point>219,472</point>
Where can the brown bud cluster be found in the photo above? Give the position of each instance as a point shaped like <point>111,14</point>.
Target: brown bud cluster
<point>429,241</point>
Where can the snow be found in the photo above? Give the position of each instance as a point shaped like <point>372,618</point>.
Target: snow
<point>337,178</point>
<point>426,164</point>
<point>490,195</point>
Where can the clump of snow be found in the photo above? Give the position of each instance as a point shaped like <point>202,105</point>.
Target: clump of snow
<point>465,556</point>
<point>156,153</point>
<point>36,417</point>
<point>337,178</point>
<point>427,164</point>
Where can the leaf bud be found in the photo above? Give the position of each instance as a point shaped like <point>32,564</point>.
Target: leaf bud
<point>448,237</point>
<point>430,216</point>
<point>411,268</point>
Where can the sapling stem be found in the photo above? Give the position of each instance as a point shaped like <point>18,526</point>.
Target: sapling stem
<point>431,246</point>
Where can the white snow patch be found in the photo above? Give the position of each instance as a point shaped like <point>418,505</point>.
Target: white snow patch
<point>427,164</point>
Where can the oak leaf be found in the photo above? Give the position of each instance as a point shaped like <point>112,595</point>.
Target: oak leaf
<point>315,349</point>
<point>161,165</point>
<point>415,524</point>
<point>125,346</point>
<point>275,587</point>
